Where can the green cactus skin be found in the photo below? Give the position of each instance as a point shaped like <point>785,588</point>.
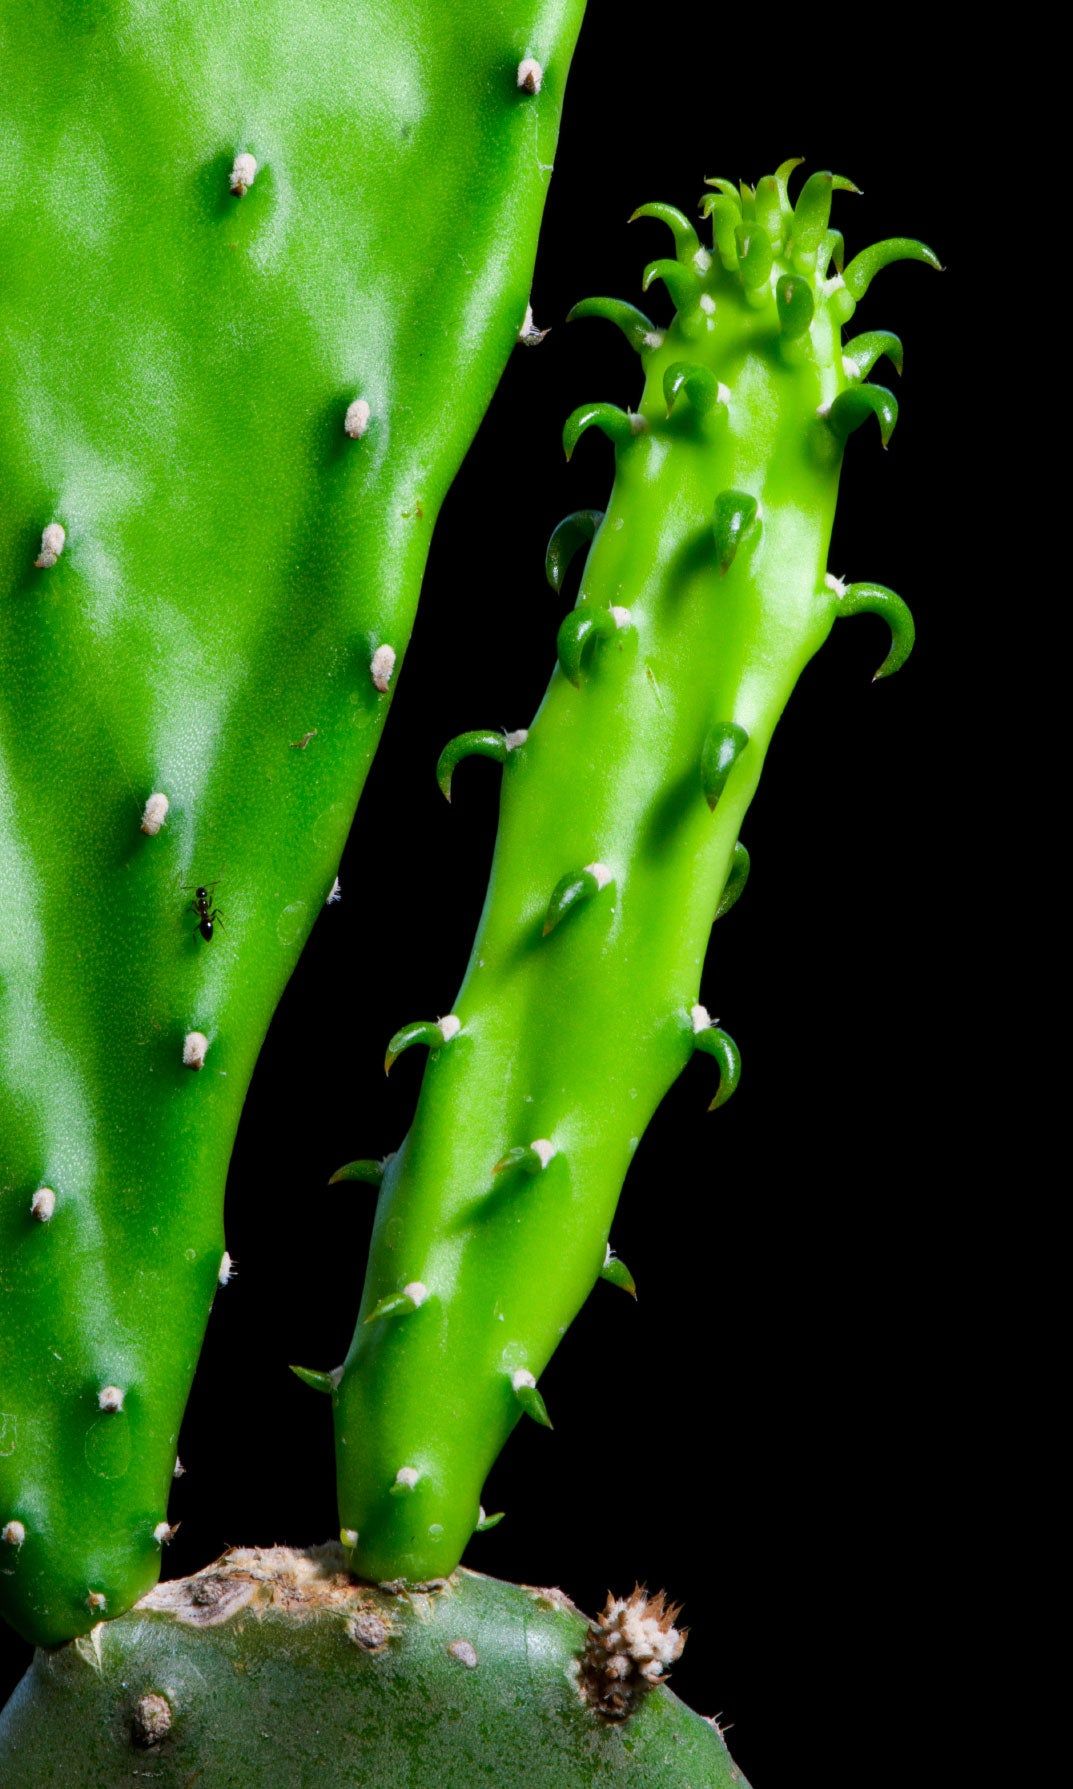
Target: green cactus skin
<point>706,592</point>
<point>231,400</point>
<point>328,1684</point>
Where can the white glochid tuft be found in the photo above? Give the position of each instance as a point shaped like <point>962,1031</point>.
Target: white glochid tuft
<point>600,873</point>
<point>465,1652</point>
<point>707,304</point>
<point>357,418</point>
<point>97,1600</point>
<point>53,541</point>
<point>529,335</point>
<point>700,1016</point>
<point>824,409</point>
<point>227,1269</point>
<point>543,1150</point>
<point>722,392</point>
<point>381,667</point>
<point>619,615</point>
<point>154,813</point>
<point>850,367</point>
<point>163,1533</point>
<point>243,174</point>
<point>450,1026</point>
<point>406,1477</point>
<point>522,1379</point>
<point>835,585</point>
<point>110,1398</point>
<point>13,1533</point>
<point>702,260</point>
<point>43,1204</point>
<point>335,893</point>
<point>195,1049</point>
<point>417,1291</point>
<point>348,1536</point>
<point>530,75</point>
<point>513,740</point>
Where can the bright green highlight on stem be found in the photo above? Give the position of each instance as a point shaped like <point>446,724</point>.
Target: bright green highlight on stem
<point>263,266</point>
<point>705,593</point>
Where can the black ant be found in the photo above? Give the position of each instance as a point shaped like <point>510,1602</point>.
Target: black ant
<point>208,916</point>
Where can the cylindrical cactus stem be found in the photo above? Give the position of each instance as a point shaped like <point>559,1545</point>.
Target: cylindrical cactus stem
<point>263,266</point>
<point>706,592</point>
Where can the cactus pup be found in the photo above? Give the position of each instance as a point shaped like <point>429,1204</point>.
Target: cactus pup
<point>263,266</point>
<point>706,590</point>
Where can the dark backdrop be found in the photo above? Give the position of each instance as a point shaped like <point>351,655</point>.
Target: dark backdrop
<point>775,1435</point>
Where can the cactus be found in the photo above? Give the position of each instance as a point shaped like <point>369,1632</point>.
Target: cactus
<point>705,592</point>
<point>262,269</point>
<point>469,1683</point>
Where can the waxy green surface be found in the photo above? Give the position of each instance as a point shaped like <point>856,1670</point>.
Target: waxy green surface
<point>704,595</point>
<point>473,1686</point>
<point>176,363</point>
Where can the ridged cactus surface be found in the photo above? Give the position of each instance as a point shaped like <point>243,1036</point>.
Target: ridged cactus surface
<point>705,592</point>
<point>271,1670</point>
<point>262,266</point>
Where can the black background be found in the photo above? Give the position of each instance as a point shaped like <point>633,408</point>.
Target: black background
<point>775,1432</point>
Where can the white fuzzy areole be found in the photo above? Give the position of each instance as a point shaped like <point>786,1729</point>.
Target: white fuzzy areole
<point>465,1652</point>
<point>700,1017</point>
<point>407,1477</point>
<point>13,1532</point>
<point>543,1150</point>
<point>43,1204</point>
<point>522,1379</point>
<point>619,615</point>
<point>638,423</point>
<point>824,409</point>
<point>357,419</point>
<point>110,1398</point>
<point>833,285</point>
<point>195,1049</point>
<point>53,541</point>
<point>227,1269</point>
<point>707,304</point>
<point>600,873</point>
<point>530,75</point>
<point>335,893</point>
<point>243,173</point>
<point>722,392</point>
<point>416,1290</point>
<point>513,740</point>
<point>97,1600</point>
<point>154,813</point>
<point>652,338</point>
<point>702,260</point>
<point>850,367</point>
<point>178,1470</point>
<point>449,1026</point>
<point>162,1533</point>
<point>381,668</point>
<point>348,1536</point>
<point>834,584</point>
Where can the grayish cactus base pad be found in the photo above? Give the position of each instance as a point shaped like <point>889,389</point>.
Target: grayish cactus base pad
<point>279,1670</point>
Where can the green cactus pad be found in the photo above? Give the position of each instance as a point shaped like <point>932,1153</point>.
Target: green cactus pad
<point>263,266</point>
<point>705,593</point>
<point>271,1670</point>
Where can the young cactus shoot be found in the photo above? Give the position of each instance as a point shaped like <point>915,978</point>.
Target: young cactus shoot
<point>706,590</point>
